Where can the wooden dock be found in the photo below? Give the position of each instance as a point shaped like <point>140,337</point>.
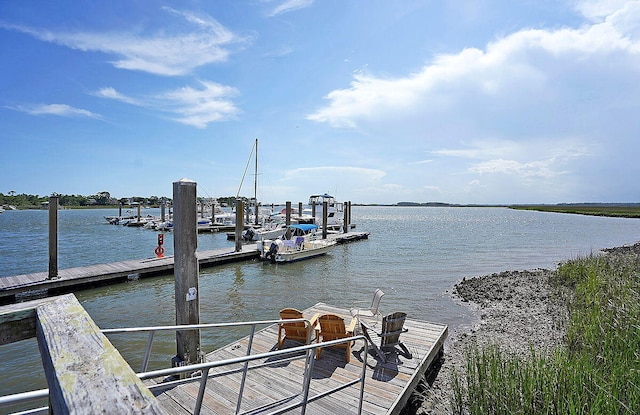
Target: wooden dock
<point>84,371</point>
<point>38,284</point>
<point>78,277</point>
<point>387,385</point>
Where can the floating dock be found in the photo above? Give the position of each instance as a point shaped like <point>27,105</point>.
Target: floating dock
<point>38,284</point>
<point>387,386</point>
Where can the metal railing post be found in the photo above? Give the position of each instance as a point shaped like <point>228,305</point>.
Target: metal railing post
<point>244,369</point>
<point>147,352</point>
<point>203,387</point>
<point>307,378</point>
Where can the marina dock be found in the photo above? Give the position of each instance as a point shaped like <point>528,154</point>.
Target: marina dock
<point>38,284</point>
<point>249,376</point>
<point>387,386</point>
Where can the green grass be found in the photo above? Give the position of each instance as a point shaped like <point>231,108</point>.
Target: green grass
<point>597,371</point>
<point>622,211</point>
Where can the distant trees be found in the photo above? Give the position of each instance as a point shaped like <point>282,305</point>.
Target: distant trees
<point>103,198</point>
<point>21,200</point>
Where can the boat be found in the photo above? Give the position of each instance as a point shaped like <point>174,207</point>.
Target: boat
<point>298,243</point>
<point>335,211</point>
<point>269,230</point>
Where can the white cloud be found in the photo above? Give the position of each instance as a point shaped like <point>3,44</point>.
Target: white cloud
<point>62,110</point>
<point>289,6</point>
<point>599,9</point>
<point>162,53</point>
<point>511,73</point>
<point>527,170</point>
<point>197,107</point>
<point>111,93</point>
<point>535,158</point>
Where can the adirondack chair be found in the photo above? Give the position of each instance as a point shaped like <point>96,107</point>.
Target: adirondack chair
<point>372,311</point>
<point>392,328</point>
<point>332,328</point>
<point>296,331</point>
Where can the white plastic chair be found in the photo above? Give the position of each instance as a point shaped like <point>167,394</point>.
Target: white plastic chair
<point>372,311</point>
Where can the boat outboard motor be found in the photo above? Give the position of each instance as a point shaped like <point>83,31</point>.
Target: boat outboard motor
<point>248,235</point>
<point>273,250</point>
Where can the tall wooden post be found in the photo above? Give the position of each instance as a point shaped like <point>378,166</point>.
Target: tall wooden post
<point>239,224</point>
<point>349,210</point>
<point>139,212</point>
<point>325,215</point>
<point>185,243</point>
<point>345,219</point>
<point>119,210</point>
<point>287,220</point>
<point>163,206</point>
<point>53,237</point>
<point>313,211</point>
<point>299,209</point>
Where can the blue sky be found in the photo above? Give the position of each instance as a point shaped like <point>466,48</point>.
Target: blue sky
<point>376,102</point>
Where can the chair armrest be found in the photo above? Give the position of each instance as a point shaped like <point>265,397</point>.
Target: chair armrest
<point>352,326</point>
<point>313,320</point>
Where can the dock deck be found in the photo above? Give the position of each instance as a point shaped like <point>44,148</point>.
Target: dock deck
<point>78,277</point>
<point>386,390</point>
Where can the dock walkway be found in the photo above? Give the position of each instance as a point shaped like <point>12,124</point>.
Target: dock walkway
<point>387,385</point>
<point>79,277</point>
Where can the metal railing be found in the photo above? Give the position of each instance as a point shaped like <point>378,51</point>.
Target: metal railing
<point>309,354</point>
<point>201,370</point>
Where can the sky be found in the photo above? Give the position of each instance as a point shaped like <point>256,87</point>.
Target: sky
<point>377,101</point>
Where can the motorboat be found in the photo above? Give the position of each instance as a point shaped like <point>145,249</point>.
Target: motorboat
<point>335,210</point>
<point>270,230</point>
<point>298,243</point>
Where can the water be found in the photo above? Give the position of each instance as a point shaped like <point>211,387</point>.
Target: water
<point>415,255</point>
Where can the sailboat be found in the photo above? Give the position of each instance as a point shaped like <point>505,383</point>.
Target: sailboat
<point>259,229</point>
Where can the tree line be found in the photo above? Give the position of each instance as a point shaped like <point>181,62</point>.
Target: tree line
<point>27,201</point>
<point>104,198</point>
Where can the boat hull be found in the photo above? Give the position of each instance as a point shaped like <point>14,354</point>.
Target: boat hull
<point>294,253</point>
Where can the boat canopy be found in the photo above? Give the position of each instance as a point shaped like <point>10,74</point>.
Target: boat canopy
<point>305,227</point>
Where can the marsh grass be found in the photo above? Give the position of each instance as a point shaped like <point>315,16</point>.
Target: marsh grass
<point>596,371</point>
<point>615,210</point>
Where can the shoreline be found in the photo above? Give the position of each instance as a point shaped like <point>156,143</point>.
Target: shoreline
<point>515,310</point>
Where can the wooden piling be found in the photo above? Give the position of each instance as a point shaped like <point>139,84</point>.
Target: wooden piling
<point>299,209</point>
<point>53,237</point>
<point>345,219</point>
<point>186,267</point>
<point>325,214</point>
<point>239,224</point>
<point>288,214</point>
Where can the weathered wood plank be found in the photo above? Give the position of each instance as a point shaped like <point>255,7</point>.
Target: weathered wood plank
<point>18,321</point>
<point>85,373</point>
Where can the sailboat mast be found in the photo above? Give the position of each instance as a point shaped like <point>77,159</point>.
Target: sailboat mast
<point>255,185</point>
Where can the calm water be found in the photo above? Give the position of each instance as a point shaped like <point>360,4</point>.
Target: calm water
<point>415,255</point>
